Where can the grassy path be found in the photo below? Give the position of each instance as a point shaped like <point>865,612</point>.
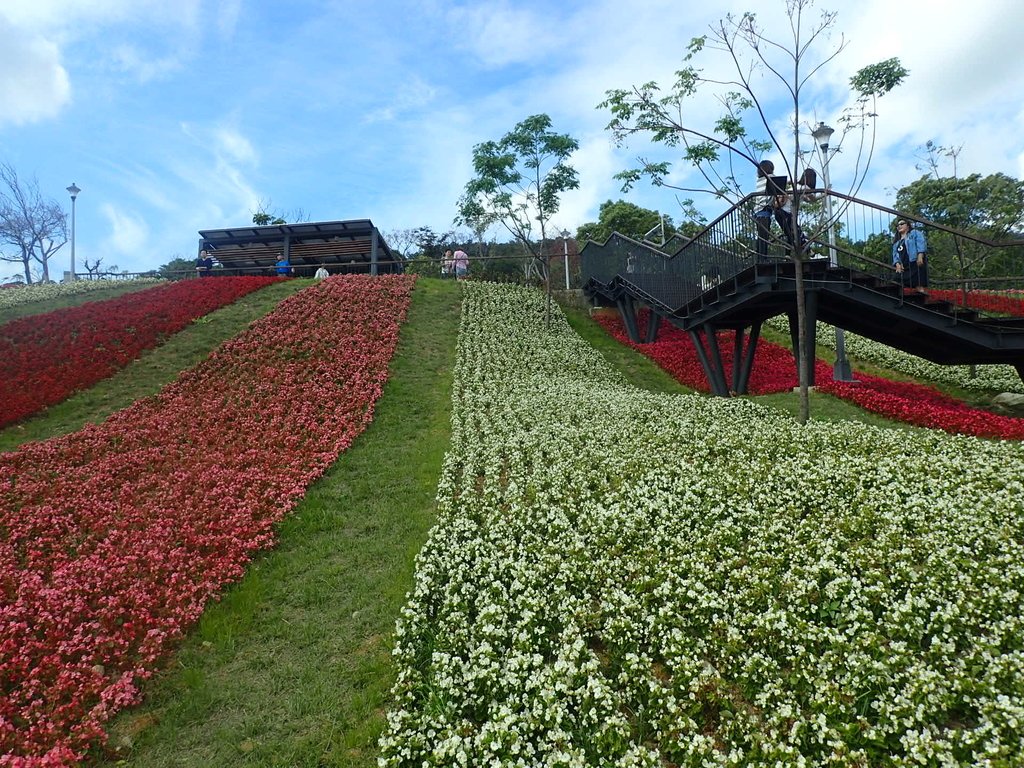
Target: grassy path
<point>292,667</point>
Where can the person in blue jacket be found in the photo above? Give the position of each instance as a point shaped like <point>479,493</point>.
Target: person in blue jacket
<point>909,250</point>
<point>284,267</point>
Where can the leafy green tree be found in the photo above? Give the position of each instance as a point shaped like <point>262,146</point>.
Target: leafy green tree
<point>429,248</point>
<point>177,268</point>
<point>401,241</point>
<point>263,219</point>
<point>724,150</point>
<point>265,216</point>
<point>989,207</point>
<point>625,218</point>
<point>519,180</point>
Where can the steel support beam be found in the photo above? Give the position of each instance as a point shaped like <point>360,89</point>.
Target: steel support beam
<point>628,312</point>
<point>653,321</point>
<point>742,379</point>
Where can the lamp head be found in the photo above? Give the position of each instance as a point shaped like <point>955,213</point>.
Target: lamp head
<point>73,190</point>
<point>822,133</point>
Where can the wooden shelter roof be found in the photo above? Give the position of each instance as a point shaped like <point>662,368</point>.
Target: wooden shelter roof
<point>349,244</point>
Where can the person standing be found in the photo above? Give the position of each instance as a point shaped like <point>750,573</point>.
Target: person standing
<point>461,261</point>
<point>204,264</point>
<point>284,267</point>
<point>784,208</point>
<point>909,250</point>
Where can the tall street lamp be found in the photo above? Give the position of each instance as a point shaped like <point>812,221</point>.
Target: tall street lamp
<point>73,190</point>
<point>822,133</point>
<point>565,253</point>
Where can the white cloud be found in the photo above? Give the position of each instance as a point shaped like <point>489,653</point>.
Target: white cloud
<point>128,234</point>
<point>143,66</point>
<point>34,85</point>
<point>495,32</point>
<point>411,96</point>
<point>233,147</point>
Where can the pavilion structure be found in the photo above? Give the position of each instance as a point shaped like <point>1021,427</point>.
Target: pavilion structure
<point>354,246</point>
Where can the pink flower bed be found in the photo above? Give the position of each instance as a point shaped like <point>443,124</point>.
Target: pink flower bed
<point>775,371</point>
<point>45,358</point>
<point>113,539</point>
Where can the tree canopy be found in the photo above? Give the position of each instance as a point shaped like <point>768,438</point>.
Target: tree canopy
<point>989,207</point>
<point>519,182</point>
<point>625,218</point>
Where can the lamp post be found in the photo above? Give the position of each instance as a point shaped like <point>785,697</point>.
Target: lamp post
<point>565,253</point>
<point>841,371</point>
<point>73,190</point>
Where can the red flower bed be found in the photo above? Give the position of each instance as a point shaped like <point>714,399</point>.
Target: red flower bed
<point>920,405</point>
<point>45,358</point>
<point>775,371</point>
<point>1001,303</point>
<point>113,539</point>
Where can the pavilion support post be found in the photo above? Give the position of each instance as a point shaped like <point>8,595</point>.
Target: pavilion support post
<point>373,252</point>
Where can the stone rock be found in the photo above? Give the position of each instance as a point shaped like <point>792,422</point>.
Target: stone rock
<point>1009,403</point>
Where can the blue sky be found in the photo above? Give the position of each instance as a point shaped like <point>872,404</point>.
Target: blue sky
<point>176,117</point>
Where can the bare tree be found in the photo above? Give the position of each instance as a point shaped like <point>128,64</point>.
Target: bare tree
<point>402,241</point>
<point>93,269</point>
<point>31,229</point>
<point>722,149</point>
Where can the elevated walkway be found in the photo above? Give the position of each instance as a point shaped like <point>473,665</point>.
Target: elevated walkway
<point>749,289</point>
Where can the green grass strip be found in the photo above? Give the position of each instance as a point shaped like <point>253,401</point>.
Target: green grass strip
<point>293,666</point>
<point>151,371</point>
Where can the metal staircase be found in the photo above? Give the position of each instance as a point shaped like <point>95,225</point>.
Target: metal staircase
<point>717,282</point>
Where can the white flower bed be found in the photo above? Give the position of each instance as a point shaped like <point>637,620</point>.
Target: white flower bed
<point>1000,378</point>
<point>26,294</point>
<point>627,579</point>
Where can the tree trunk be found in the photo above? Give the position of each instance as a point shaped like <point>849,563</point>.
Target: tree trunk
<point>803,358</point>
<point>801,351</point>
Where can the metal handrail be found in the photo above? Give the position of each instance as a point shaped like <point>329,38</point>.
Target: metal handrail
<point>730,244</point>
